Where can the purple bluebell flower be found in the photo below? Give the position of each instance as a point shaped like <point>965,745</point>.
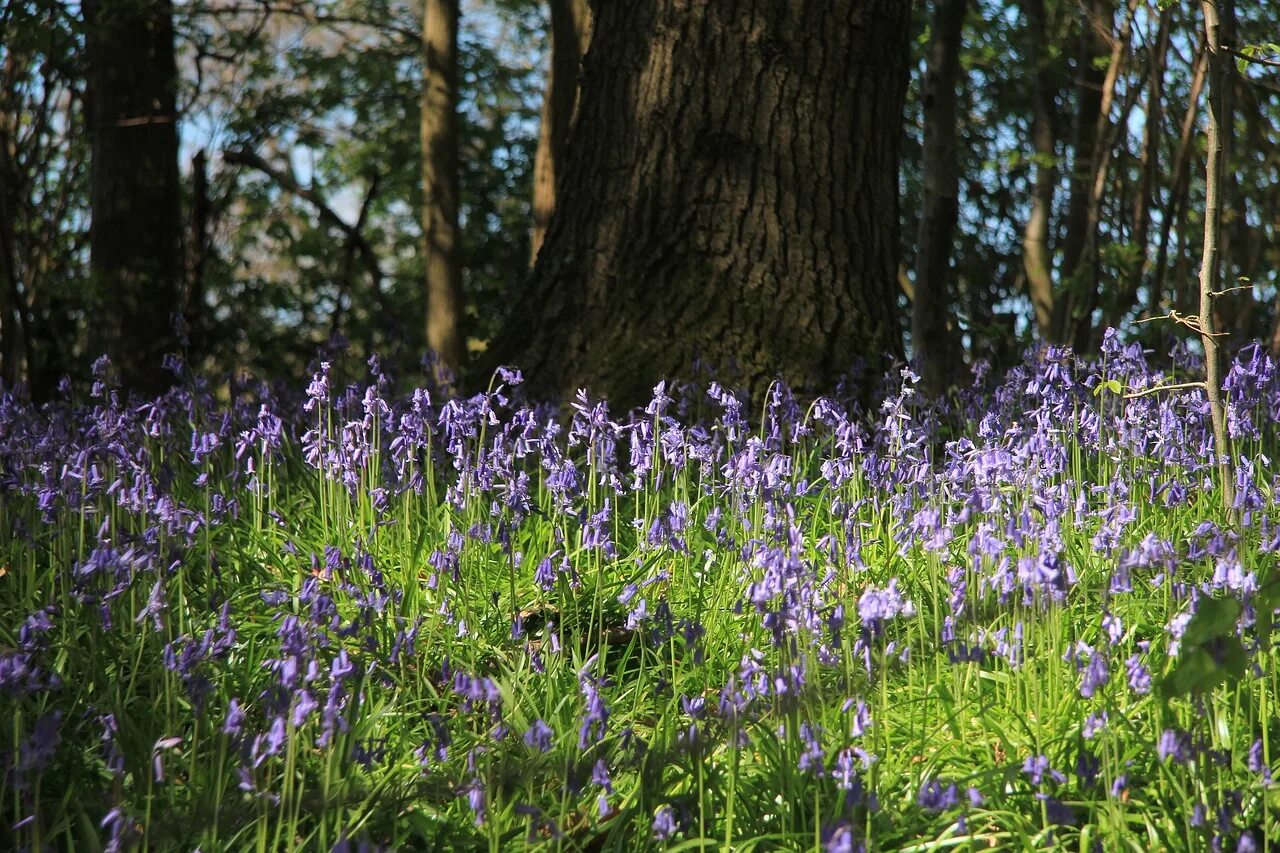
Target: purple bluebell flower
<point>1096,674</point>
<point>838,838</point>
<point>1257,764</point>
<point>1175,745</point>
<point>938,795</point>
<point>1138,676</point>
<point>539,736</point>
<point>664,823</point>
<point>1038,769</point>
<point>477,800</point>
<point>812,758</point>
<point>595,714</point>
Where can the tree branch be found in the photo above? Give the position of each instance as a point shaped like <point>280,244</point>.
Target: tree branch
<point>1176,386</point>
<point>1257,60</point>
<point>287,182</point>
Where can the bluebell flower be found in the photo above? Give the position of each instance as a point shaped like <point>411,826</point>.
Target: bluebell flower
<point>664,823</point>
<point>938,795</point>
<point>539,736</point>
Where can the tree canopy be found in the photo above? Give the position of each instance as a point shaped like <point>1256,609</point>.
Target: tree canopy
<point>1049,183</point>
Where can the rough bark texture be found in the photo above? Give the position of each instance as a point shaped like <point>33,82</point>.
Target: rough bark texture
<point>440,182</point>
<point>934,339</point>
<point>135,230</point>
<point>1037,257</point>
<point>570,36</point>
<point>730,197</point>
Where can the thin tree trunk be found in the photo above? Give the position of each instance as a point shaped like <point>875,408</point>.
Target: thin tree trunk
<point>1149,166</point>
<point>1037,259</point>
<point>1218,133</point>
<point>570,36</point>
<point>201,215</point>
<point>1095,18</point>
<point>13,340</point>
<point>135,230</point>
<point>936,345</point>
<point>440,184</point>
<point>730,199</point>
<point>1180,184</point>
<point>1076,320</point>
<point>1234,308</point>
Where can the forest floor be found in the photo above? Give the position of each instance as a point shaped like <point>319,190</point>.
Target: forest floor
<point>360,619</point>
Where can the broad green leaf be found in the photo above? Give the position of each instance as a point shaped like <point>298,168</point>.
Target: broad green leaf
<point>1215,617</point>
<point>1196,672</point>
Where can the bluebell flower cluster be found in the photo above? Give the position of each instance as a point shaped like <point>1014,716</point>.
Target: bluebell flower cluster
<point>245,603</point>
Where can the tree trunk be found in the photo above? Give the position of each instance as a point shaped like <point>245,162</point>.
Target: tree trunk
<point>440,184</point>
<point>936,345</point>
<point>1095,19</point>
<point>13,337</point>
<point>570,35</point>
<point>1037,259</point>
<point>1149,164</point>
<point>1216,144</point>
<point>1179,185</point>
<point>730,199</point>
<point>199,251</point>
<point>1234,308</point>
<point>1081,267</point>
<point>135,229</point>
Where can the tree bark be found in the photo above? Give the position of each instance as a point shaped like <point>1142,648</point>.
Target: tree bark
<point>934,340</point>
<point>570,36</point>
<point>1234,308</point>
<point>1216,144</point>
<point>135,229</point>
<point>730,198</point>
<point>1037,257</point>
<point>440,184</point>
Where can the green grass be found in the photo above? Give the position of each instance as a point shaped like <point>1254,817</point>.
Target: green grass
<point>741,780</point>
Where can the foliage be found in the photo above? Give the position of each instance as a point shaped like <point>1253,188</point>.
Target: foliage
<point>288,280</point>
<point>43,192</point>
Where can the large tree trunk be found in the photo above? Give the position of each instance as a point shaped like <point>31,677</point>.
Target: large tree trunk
<point>135,230</point>
<point>440,183</point>
<point>1037,258</point>
<point>570,36</point>
<point>936,345</point>
<point>730,199</point>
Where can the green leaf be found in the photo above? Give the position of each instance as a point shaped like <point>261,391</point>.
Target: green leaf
<point>1111,385</point>
<point>1196,672</point>
<point>1214,619</point>
<point>1204,667</point>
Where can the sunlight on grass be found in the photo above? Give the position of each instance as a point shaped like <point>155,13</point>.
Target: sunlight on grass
<point>1017,618</point>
